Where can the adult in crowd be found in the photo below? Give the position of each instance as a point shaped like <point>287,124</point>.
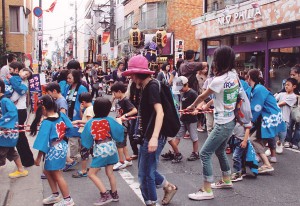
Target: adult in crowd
<point>164,75</point>
<point>94,80</point>
<point>224,101</point>
<point>73,64</point>
<point>117,74</point>
<point>74,89</point>
<point>5,69</point>
<point>62,81</point>
<point>153,140</point>
<point>20,100</point>
<point>190,68</point>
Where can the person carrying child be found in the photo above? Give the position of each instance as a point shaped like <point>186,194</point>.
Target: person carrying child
<point>52,148</point>
<point>101,132</point>
<point>8,140</point>
<point>85,100</point>
<point>125,109</point>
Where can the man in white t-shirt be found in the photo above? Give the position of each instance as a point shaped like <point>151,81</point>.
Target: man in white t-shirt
<point>5,69</point>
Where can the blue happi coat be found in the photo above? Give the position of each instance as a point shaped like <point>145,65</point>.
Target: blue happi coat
<point>100,129</point>
<point>63,88</point>
<point>76,114</point>
<point>251,161</point>
<point>50,141</point>
<point>264,103</point>
<point>14,84</point>
<point>8,121</point>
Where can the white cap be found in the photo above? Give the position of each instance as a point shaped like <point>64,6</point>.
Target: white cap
<point>182,80</point>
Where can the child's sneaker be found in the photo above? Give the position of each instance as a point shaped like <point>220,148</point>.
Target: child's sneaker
<point>273,159</point>
<point>235,177</point>
<point>65,202</point>
<point>279,148</point>
<point>268,152</point>
<point>126,164</point>
<point>17,174</point>
<point>287,145</point>
<point>114,195</point>
<point>69,166</point>
<point>105,198</point>
<point>201,195</point>
<point>79,174</point>
<point>295,147</point>
<point>52,199</point>
<point>221,184</point>
<point>168,155</point>
<point>264,169</point>
<point>117,166</point>
<point>170,191</point>
<point>193,157</point>
<point>177,158</point>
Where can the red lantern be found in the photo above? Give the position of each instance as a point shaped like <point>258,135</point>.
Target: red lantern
<point>161,38</point>
<point>135,37</point>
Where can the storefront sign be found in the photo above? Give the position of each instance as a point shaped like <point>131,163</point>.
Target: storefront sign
<point>179,45</point>
<point>240,17</point>
<point>35,90</point>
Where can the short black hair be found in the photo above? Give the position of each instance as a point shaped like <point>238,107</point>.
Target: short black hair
<point>11,57</point>
<point>292,80</point>
<point>118,86</point>
<point>53,86</point>
<point>102,107</point>
<point>119,63</point>
<point>224,58</point>
<point>85,96</point>
<point>189,54</point>
<point>76,75</point>
<point>73,64</point>
<point>17,65</point>
<point>63,75</point>
<point>164,66</point>
<point>296,68</point>
<point>2,86</point>
<point>142,76</point>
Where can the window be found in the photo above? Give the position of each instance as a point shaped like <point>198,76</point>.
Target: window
<point>119,35</point>
<point>128,21</point>
<point>14,16</point>
<point>259,36</point>
<point>214,5</point>
<point>153,15</point>
<point>283,33</point>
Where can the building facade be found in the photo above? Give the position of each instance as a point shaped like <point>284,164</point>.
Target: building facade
<point>19,33</point>
<point>265,34</point>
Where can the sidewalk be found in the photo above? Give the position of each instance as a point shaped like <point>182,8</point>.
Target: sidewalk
<point>25,190</point>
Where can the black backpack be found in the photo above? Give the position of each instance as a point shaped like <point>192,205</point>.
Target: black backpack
<point>171,122</point>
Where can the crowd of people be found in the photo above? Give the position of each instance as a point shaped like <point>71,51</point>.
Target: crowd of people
<point>72,123</point>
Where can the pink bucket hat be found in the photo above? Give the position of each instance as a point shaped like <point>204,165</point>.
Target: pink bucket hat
<point>137,65</point>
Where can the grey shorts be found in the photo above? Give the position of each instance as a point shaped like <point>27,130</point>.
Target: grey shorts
<point>9,153</point>
<point>257,143</point>
<point>191,128</point>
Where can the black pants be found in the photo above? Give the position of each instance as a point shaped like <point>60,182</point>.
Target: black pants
<point>94,91</point>
<point>23,145</point>
<point>133,142</point>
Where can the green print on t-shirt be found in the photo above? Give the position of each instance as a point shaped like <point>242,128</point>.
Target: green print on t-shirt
<point>230,95</point>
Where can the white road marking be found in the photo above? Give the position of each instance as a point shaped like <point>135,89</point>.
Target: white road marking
<point>294,150</point>
<point>134,185</point>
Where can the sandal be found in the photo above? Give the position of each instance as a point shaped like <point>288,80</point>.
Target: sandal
<point>134,157</point>
<point>170,191</point>
<point>79,174</point>
<point>265,169</point>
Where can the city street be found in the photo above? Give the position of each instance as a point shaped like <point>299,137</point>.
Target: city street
<point>277,189</point>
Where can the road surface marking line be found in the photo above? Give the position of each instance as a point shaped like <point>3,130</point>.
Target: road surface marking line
<point>294,150</point>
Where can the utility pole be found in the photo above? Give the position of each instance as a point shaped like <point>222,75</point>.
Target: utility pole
<point>40,25</point>
<point>112,27</point>
<point>76,29</point>
<point>3,27</point>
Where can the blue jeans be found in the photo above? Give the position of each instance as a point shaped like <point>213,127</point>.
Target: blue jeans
<point>282,135</point>
<point>148,176</point>
<point>293,138</point>
<point>216,142</point>
<point>238,156</point>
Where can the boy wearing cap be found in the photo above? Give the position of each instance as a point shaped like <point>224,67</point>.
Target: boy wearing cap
<point>188,121</point>
<point>151,118</point>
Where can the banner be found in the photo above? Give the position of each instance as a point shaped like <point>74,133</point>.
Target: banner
<point>52,6</point>
<point>35,90</point>
<point>105,37</point>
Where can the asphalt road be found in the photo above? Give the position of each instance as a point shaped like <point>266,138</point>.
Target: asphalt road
<point>279,188</point>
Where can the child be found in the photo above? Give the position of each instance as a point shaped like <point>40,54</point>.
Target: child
<point>15,80</point>
<point>54,90</point>
<point>8,141</point>
<point>285,101</point>
<point>51,145</point>
<point>101,132</point>
<point>85,100</point>
<point>126,109</point>
<point>241,135</point>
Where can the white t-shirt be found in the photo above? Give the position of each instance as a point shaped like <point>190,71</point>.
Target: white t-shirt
<point>88,112</point>
<point>4,71</point>
<point>225,89</point>
<point>20,100</point>
<point>174,86</point>
<point>290,100</point>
